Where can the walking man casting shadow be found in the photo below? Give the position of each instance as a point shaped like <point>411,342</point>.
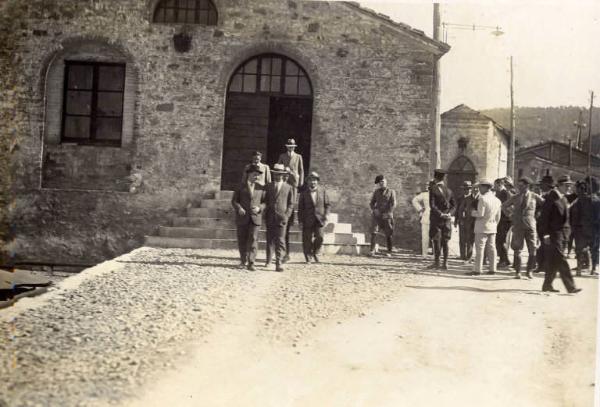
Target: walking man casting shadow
<point>313,210</point>
<point>249,204</point>
<point>280,206</point>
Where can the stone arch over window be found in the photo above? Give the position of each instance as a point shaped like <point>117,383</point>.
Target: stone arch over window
<point>202,12</point>
<point>460,170</point>
<point>89,113</point>
<point>462,164</point>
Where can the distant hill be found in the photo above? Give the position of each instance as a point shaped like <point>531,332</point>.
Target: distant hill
<point>538,124</point>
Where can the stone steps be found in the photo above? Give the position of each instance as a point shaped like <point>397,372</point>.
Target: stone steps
<point>211,225</point>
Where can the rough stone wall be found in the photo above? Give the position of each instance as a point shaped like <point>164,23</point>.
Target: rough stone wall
<point>372,114</point>
<point>476,131</point>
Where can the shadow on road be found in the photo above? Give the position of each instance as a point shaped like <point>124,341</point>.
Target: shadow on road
<point>474,289</point>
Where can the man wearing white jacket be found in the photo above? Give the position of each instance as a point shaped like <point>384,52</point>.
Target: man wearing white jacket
<point>486,217</point>
<point>421,204</point>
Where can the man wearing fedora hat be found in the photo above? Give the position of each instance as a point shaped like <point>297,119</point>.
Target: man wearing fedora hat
<point>280,205</point>
<point>487,216</point>
<point>292,160</point>
<point>546,184</point>
<point>383,202</point>
<point>249,204</point>
<point>313,209</point>
<point>465,221</point>
<point>524,206</point>
<point>554,230</point>
<point>442,205</point>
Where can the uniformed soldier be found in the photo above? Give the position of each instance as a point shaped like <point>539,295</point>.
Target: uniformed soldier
<point>441,202</point>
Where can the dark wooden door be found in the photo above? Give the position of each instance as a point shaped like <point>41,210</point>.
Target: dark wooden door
<point>456,179</point>
<point>289,118</point>
<point>246,130</point>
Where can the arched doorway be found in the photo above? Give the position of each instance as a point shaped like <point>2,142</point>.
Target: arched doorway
<point>269,99</point>
<point>461,170</point>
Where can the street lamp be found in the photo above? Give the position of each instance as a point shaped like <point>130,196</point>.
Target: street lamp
<point>495,31</point>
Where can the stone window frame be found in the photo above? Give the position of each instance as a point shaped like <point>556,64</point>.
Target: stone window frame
<point>86,51</point>
<point>460,164</point>
<point>179,5</point>
<point>254,71</point>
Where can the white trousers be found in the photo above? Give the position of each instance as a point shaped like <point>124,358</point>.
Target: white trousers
<point>480,246</point>
<point>424,238</point>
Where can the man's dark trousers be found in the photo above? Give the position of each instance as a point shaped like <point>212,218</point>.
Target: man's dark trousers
<point>247,235</point>
<point>276,241</point>
<point>554,256</point>
<point>311,247</point>
<point>503,228</point>
<point>466,238</point>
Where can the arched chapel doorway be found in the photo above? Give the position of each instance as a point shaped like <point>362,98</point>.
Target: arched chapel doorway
<point>269,100</point>
<point>461,170</point>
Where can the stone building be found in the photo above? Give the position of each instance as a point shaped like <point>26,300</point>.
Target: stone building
<point>474,146</point>
<point>121,113</point>
<point>556,159</point>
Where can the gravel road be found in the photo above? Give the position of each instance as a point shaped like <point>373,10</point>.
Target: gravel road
<point>182,327</point>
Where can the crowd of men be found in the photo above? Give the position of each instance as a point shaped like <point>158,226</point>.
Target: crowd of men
<point>542,217</point>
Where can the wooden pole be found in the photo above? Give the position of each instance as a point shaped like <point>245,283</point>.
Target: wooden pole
<point>589,163</point>
<point>513,136</point>
<point>436,160</point>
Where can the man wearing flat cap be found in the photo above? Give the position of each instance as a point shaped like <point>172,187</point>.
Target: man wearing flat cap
<point>554,230</point>
<point>465,221</point>
<point>442,205</point>
<point>487,216</point>
<point>249,203</point>
<point>383,202</point>
<point>523,206</point>
<point>292,160</point>
<point>313,209</point>
<point>280,206</point>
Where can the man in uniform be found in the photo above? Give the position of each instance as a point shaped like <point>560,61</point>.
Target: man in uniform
<point>524,206</point>
<point>265,177</point>
<point>465,222</point>
<point>554,231</point>
<point>313,209</point>
<point>382,207</point>
<point>421,204</point>
<point>280,205</point>
<point>293,161</point>
<point>249,204</point>
<point>502,193</point>
<point>441,202</point>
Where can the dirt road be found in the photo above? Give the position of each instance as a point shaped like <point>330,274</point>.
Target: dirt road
<point>364,332</point>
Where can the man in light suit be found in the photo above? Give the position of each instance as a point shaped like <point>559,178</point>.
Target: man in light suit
<point>421,204</point>
<point>313,209</point>
<point>293,161</point>
<point>249,203</point>
<point>280,206</point>
<point>265,177</point>
<point>524,206</point>
<point>486,217</point>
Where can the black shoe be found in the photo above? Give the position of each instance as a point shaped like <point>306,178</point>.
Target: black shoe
<point>528,275</point>
<point>550,290</point>
<point>278,268</point>
<point>307,259</point>
<point>575,290</point>
<point>433,266</point>
<point>251,267</point>
<point>316,258</point>
<point>444,266</point>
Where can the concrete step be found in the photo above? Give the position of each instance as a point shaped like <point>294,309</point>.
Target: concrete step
<point>224,195</point>
<point>166,231</point>
<point>231,244</point>
<point>215,203</point>
<point>338,228</point>
<point>211,212</point>
<point>207,223</point>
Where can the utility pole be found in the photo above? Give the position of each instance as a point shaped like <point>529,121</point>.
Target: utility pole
<point>513,136</point>
<point>436,160</point>
<point>589,163</point>
<point>580,125</point>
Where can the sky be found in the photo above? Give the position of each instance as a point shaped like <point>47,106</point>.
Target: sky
<point>555,47</point>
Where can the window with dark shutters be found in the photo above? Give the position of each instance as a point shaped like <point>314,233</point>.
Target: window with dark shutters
<point>93,103</point>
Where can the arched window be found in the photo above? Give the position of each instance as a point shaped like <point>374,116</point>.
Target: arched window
<point>186,12</point>
<point>271,74</point>
<point>462,165</point>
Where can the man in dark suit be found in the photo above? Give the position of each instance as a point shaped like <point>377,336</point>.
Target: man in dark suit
<point>554,231</point>
<point>383,202</point>
<point>249,204</point>
<point>503,194</point>
<point>442,206</point>
<point>292,160</point>
<point>280,206</point>
<point>465,222</point>
<point>313,209</point>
